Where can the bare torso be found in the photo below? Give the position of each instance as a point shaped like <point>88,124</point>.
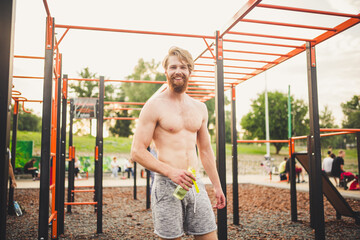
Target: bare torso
<point>175,133</point>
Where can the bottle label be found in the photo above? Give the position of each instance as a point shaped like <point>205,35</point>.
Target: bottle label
<point>179,192</point>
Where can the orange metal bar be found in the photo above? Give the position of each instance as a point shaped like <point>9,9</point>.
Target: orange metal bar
<point>49,31</point>
<point>62,37</point>
<point>83,186</point>
<point>209,48</point>
<point>31,57</point>
<point>271,36</point>
<point>249,5</point>
<point>120,118</point>
<point>262,43</point>
<point>243,60</point>
<point>28,77</point>
<point>52,186</point>
<point>261,53</point>
<point>53,215</point>
<point>124,103</point>
<point>287,24</point>
<point>200,92</point>
<point>233,93</point>
<point>15,92</point>
<point>340,28</point>
<point>262,141</point>
<point>228,66</point>
<point>121,109</point>
<point>308,10</point>
<point>96,153</point>
<point>339,130</point>
<point>80,203</point>
<point>46,8</point>
<point>16,107</point>
<point>200,88</point>
<point>224,72</point>
<point>133,31</point>
<point>198,95</point>
<point>90,190</point>
<point>23,107</point>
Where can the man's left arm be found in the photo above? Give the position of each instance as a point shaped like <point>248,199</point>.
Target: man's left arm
<point>208,160</point>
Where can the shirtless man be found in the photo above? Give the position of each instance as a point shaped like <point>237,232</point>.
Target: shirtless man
<point>176,123</point>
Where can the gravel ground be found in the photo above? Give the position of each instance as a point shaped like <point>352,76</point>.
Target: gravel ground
<point>264,214</point>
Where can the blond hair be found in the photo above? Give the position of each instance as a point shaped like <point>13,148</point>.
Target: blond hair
<point>182,54</point>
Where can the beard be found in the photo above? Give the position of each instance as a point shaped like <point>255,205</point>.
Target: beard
<point>176,85</point>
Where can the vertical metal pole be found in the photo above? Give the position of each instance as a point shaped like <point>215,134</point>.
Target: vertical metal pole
<point>358,152</point>
<point>61,186</point>
<point>267,128</point>
<point>289,115</point>
<point>99,143</point>
<point>46,131</point>
<point>13,156</point>
<point>7,23</point>
<point>293,198</point>
<point>315,155</point>
<point>135,180</point>
<point>71,162</point>
<point>220,132</point>
<point>234,158</point>
<point>148,202</point>
<point>58,161</point>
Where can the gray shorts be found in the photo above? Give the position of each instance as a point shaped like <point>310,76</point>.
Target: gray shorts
<point>172,217</point>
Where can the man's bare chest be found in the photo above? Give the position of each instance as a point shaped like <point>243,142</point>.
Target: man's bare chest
<point>175,119</point>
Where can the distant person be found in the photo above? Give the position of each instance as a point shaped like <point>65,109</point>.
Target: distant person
<point>29,168</point>
<point>339,172</point>
<point>114,168</point>
<point>327,163</point>
<point>129,168</point>
<point>282,169</point>
<point>77,165</point>
<point>298,171</point>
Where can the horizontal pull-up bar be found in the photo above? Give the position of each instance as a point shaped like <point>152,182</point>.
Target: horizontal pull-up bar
<point>287,24</point>
<point>339,130</point>
<point>120,118</point>
<point>263,141</point>
<point>263,43</point>
<point>89,190</point>
<point>308,10</point>
<point>132,31</point>
<point>271,36</point>
<point>31,57</point>
<point>80,203</point>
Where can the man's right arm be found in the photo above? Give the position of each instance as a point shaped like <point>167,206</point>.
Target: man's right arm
<point>142,139</point>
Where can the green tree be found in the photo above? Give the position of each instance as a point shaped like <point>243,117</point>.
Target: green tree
<point>254,121</point>
<point>27,121</point>
<point>327,120</point>
<point>121,127</point>
<point>351,110</point>
<point>141,92</point>
<point>90,89</point>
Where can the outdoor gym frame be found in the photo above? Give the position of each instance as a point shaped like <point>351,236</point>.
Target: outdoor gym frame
<point>209,89</point>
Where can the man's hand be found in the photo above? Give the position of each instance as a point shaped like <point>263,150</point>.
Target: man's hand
<point>13,183</point>
<point>220,199</point>
<point>182,178</point>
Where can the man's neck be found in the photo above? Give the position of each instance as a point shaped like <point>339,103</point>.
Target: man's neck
<point>176,96</point>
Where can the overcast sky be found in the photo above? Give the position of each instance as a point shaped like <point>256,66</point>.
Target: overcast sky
<point>114,55</point>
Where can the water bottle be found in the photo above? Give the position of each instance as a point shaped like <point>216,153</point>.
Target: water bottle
<point>17,208</point>
<point>180,192</point>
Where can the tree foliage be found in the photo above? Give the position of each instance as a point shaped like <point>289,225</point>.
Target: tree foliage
<point>254,121</point>
<point>27,121</point>
<point>91,88</point>
<point>351,110</point>
<point>141,92</point>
